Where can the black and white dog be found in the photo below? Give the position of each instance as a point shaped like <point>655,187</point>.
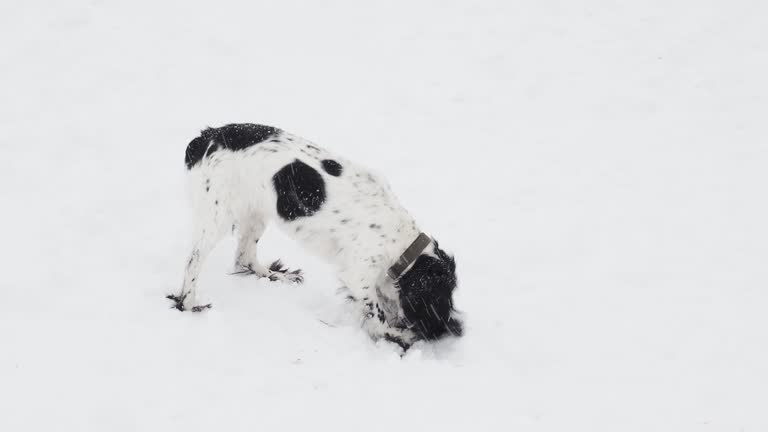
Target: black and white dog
<point>243,176</point>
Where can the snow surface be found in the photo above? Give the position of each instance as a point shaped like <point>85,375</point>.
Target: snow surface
<point>599,170</point>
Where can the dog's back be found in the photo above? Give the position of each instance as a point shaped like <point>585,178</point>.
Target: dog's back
<point>243,171</point>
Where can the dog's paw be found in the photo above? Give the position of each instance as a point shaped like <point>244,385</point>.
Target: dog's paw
<point>399,341</point>
<point>289,277</point>
<point>278,272</point>
<point>200,308</point>
<point>180,305</point>
<point>246,270</point>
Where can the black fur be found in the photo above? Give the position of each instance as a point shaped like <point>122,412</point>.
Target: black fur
<point>232,137</point>
<point>179,303</point>
<point>300,190</point>
<point>426,291</point>
<point>278,267</point>
<point>398,341</point>
<point>332,167</point>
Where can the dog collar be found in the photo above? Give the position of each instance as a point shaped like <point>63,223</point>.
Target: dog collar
<point>409,256</point>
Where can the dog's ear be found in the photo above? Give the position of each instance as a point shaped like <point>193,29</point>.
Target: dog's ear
<point>450,261</point>
<point>455,326</point>
<point>426,291</point>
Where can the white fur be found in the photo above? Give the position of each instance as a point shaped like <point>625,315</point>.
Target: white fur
<point>235,190</point>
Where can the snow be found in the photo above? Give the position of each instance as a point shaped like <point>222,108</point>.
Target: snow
<point>598,168</point>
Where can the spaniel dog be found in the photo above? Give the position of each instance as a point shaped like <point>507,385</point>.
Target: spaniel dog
<point>243,176</point>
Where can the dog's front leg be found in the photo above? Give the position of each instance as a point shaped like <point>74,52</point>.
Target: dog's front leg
<point>378,320</point>
<point>378,326</point>
<point>246,258</point>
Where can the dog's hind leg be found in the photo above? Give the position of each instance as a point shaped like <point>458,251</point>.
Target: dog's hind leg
<point>211,222</point>
<point>187,298</point>
<point>246,259</point>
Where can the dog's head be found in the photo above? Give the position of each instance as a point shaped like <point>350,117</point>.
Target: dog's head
<point>426,296</point>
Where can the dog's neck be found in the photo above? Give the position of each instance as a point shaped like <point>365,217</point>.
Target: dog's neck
<point>409,256</point>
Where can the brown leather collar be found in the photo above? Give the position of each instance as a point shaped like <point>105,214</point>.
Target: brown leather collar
<point>409,256</point>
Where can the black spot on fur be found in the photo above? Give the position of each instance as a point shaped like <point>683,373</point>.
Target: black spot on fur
<point>374,226</point>
<point>426,291</point>
<point>332,167</point>
<point>300,190</point>
<point>234,137</point>
<point>380,314</point>
<point>369,306</point>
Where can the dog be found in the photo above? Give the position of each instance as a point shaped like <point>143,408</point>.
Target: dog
<point>244,176</point>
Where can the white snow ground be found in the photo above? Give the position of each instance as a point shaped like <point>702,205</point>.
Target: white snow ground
<point>609,222</point>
